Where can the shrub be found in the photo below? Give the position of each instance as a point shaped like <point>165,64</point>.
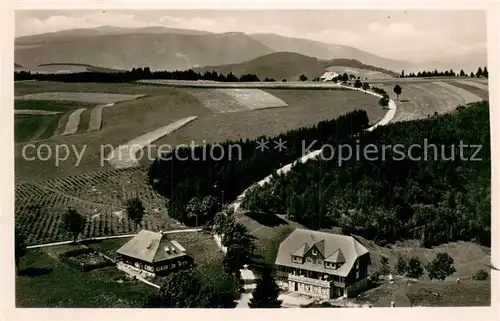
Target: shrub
<point>480,275</point>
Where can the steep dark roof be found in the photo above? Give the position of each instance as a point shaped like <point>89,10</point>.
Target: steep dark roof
<point>151,247</point>
<point>334,248</point>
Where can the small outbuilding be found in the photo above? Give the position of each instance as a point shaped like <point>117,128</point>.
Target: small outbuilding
<point>154,253</point>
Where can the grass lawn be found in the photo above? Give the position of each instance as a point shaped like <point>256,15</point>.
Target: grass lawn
<point>45,282</point>
<point>83,126</point>
<point>51,105</point>
<point>477,91</point>
<point>34,127</point>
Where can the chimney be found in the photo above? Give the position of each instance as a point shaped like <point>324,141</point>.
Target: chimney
<point>393,304</point>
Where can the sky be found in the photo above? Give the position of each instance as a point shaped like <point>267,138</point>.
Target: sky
<point>406,35</point>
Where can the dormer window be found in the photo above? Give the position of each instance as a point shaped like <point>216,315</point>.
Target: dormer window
<point>314,252</point>
<point>319,261</point>
<point>296,259</point>
<point>308,260</point>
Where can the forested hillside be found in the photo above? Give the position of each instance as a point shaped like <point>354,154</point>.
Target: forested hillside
<point>437,199</point>
<point>207,170</point>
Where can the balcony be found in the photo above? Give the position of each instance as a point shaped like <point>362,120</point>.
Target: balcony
<point>306,280</point>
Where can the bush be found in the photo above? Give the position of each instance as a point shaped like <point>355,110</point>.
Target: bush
<point>480,275</point>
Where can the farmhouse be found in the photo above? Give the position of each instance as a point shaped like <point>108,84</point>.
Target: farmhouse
<point>154,253</point>
<point>322,264</point>
<point>328,76</point>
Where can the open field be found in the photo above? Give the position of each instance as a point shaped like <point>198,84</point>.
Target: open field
<point>225,100</point>
<point>28,127</point>
<point>430,294</point>
<point>125,155</point>
<point>306,108</point>
<point>164,105</point>
<point>89,97</point>
<point>423,99</point>
<point>477,84</point>
<point>63,286</point>
<point>361,73</point>
<point>49,105</point>
<point>35,112</point>
<point>99,196</point>
<point>481,92</point>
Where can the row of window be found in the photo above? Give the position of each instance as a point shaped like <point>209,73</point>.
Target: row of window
<point>173,265</point>
<point>328,265</point>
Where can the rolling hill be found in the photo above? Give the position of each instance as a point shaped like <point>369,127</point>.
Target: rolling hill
<point>169,49</point>
<point>119,50</point>
<point>289,65</point>
<point>163,48</point>
<point>322,50</point>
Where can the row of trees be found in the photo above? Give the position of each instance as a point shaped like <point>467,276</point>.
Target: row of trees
<point>481,72</point>
<point>436,192</point>
<point>439,268</point>
<point>134,75</point>
<point>189,172</point>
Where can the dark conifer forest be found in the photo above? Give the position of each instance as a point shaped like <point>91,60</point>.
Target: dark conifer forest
<point>437,199</point>
<point>188,173</point>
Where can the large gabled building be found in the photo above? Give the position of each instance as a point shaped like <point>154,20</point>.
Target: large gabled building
<point>154,253</point>
<point>322,264</point>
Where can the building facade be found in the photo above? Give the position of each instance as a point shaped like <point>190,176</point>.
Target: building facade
<point>154,254</point>
<point>322,264</point>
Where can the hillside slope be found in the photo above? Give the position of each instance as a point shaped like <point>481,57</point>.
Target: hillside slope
<point>327,50</point>
<point>288,65</point>
<point>167,51</point>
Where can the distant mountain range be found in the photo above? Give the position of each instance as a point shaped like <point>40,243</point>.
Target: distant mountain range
<point>289,65</point>
<point>163,48</point>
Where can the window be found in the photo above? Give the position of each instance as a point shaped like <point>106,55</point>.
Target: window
<point>314,252</point>
<point>319,261</point>
<point>297,259</point>
<point>328,265</point>
<point>308,260</point>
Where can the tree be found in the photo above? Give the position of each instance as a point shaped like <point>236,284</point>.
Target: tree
<point>135,210</point>
<point>183,289</point>
<point>479,72</point>
<point>485,72</point>
<point>398,90</point>
<point>194,209</point>
<point>384,266</point>
<point>384,102</point>
<point>283,80</point>
<point>266,292</point>
<point>73,223</point>
<point>345,77</point>
<point>440,267</point>
<point>19,247</point>
<point>401,266</point>
<point>209,206</point>
<point>402,73</point>
<point>471,74</point>
<point>415,268</point>
<point>357,83</point>
<point>303,77</point>
<point>462,73</point>
<point>366,86</point>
